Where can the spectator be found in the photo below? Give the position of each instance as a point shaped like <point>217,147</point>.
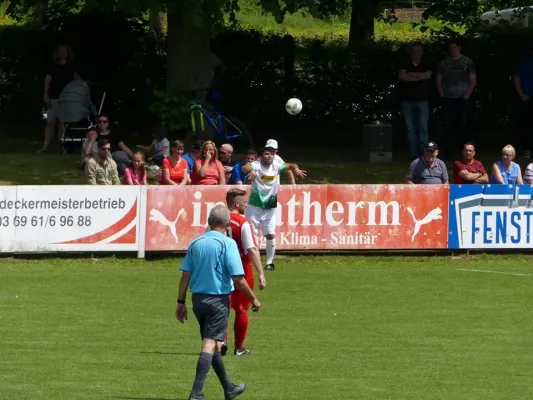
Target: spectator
<point>119,151</point>
<point>468,170</point>
<point>506,171</point>
<point>456,80</point>
<point>175,167</point>
<point>208,170</point>
<point>523,83</point>
<point>193,155</point>
<point>528,174</point>
<point>60,73</point>
<point>90,146</point>
<point>135,174</point>
<point>237,176</point>
<point>159,149</point>
<point>225,157</point>
<point>273,145</point>
<point>102,169</point>
<point>414,77</point>
<point>428,169</point>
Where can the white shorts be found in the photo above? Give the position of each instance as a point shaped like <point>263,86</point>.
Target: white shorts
<point>260,217</point>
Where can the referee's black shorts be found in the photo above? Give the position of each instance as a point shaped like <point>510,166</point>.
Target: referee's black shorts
<point>212,313</point>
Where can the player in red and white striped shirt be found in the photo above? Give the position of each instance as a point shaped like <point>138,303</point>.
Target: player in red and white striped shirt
<point>240,230</point>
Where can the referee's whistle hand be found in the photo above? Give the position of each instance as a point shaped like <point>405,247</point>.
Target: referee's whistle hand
<point>181,313</point>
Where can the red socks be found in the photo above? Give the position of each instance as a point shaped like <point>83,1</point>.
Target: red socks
<point>240,328</point>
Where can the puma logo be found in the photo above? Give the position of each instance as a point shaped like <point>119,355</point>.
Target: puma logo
<point>433,215</point>
<point>157,216</point>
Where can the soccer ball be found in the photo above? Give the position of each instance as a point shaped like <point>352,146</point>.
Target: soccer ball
<point>293,106</point>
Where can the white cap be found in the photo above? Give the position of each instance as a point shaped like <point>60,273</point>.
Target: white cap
<point>271,144</point>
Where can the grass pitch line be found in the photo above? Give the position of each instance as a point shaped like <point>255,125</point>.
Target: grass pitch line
<point>496,272</point>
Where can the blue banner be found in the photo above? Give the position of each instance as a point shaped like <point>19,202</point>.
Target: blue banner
<point>490,217</point>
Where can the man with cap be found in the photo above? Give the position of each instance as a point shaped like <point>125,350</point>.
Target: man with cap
<point>273,144</point>
<point>428,169</point>
<point>193,155</point>
<point>261,211</point>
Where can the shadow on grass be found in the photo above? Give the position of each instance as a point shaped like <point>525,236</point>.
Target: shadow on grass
<point>146,398</point>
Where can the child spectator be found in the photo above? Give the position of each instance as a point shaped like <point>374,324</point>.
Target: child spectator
<point>135,174</point>
<point>175,167</point>
<point>90,146</point>
<point>159,149</point>
<point>237,176</point>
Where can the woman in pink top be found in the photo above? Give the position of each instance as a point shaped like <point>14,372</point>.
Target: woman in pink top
<point>207,169</point>
<point>135,174</point>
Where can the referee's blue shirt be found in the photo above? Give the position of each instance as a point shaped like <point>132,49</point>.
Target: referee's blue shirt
<point>212,259</point>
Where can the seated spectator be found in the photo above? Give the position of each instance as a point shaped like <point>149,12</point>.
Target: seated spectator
<point>102,169</point>
<point>506,171</point>
<point>90,146</point>
<point>174,166</point>
<point>468,170</point>
<point>225,157</point>
<point>159,149</point>
<point>428,169</point>
<point>135,174</point>
<point>119,151</point>
<point>193,155</point>
<point>528,174</point>
<point>207,169</point>
<point>237,176</point>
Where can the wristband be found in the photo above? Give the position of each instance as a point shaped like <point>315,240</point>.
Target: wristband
<point>181,301</point>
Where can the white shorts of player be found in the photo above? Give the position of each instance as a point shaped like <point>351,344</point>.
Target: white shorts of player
<point>259,217</point>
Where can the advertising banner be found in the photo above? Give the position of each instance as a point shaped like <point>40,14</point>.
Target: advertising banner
<point>69,218</point>
<point>491,217</point>
<point>312,217</point>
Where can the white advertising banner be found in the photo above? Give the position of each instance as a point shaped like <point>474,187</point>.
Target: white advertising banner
<point>69,218</point>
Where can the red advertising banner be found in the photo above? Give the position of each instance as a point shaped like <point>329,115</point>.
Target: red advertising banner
<point>313,217</point>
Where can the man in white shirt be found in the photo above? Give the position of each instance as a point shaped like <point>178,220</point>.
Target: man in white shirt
<point>261,211</point>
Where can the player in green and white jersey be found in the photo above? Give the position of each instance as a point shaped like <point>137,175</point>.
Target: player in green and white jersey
<point>261,211</point>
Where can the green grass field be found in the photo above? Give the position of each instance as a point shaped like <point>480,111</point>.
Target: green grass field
<point>331,327</point>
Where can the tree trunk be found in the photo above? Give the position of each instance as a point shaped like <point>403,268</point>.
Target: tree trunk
<point>361,21</point>
<point>156,20</point>
<point>188,50</point>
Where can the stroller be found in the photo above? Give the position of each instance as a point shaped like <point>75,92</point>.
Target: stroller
<point>76,113</point>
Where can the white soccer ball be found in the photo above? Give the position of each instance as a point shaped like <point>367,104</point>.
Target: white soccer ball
<point>294,106</point>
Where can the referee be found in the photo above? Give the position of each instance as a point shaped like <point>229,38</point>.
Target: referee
<point>210,267</point>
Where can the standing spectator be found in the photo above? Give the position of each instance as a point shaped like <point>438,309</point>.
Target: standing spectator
<point>102,169</point>
<point>175,167</point>
<point>158,149</point>
<point>193,155</point>
<point>208,170</point>
<point>90,146</point>
<point>60,73</point>
<point>523,83</point>
<point>414,77</point>
<point>468,170</point>
<point>506,171</point>
<point>135,174</point>
<point>119,151</point>
<point>456,80</point>
<point>225,157</point>
<point>428,169</point>
<point>211,269</point>
<point>238,177</point>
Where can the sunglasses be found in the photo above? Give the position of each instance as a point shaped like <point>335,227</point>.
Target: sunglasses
<point>103,121</point>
